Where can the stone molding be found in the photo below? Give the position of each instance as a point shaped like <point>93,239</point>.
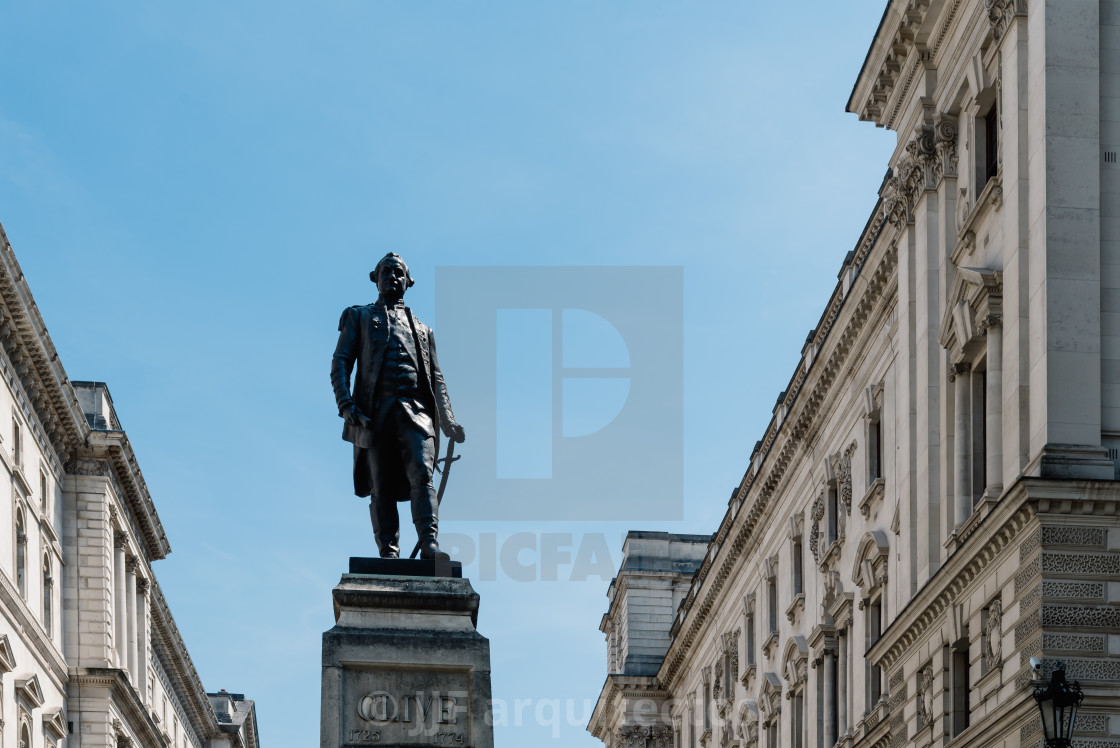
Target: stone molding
<point>1001,13</point>
<point>811,394</point>
<point>1006,525</point>
<point>907,42</point>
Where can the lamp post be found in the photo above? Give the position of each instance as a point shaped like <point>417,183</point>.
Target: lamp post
<point>1057,705</point>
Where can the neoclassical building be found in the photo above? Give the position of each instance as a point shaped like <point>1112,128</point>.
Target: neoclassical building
<point>935,500</point>
<point>90,656</point>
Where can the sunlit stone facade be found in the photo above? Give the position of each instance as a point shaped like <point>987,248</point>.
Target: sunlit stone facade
<point>935,499</point>
<point>90,656</point>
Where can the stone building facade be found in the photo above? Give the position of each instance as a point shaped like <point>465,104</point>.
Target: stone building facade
<point>935,500</point>
<point>89,653</point>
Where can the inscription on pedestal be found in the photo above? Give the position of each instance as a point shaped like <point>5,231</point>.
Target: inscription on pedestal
<point>407,707</point>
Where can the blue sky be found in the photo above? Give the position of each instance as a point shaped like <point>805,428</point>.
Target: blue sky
<point>196,190</point>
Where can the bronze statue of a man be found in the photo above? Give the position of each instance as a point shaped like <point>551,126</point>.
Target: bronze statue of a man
<point>398,406</point>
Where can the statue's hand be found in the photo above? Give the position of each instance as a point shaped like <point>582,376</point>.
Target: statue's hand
<point>355,417</point>
<point>455,432</point>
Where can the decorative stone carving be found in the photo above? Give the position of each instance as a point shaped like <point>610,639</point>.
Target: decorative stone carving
<point>1084,590</point>
<point>1081,616</point>
<point>1074,643</point>
<point>96,468</point>
<point>731,653</point>
<point>993,636</point>
<point>1105,564</point>
<point>844,478</point>
<point>1073,536</point>
<point>816,515</point>
<point>660,736</point>
<point>945,145</point>
<point>632,736</point>
<point>1031,543</point>
<point>925,697</point>
<point>120,539</point>
<point>1001,13</point>
<point>717,685</point>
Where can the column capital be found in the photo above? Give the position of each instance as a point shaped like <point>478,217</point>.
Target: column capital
<point>120,539</point>
<point>131,564</point>
<point>142,585</point>
<point>959,369</point>
<point>988,322</point>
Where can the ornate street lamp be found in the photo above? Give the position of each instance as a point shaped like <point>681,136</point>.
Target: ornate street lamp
<point>1057,703</point>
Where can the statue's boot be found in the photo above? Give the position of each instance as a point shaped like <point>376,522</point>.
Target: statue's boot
<point>386,527</point>
<point>424,509</point>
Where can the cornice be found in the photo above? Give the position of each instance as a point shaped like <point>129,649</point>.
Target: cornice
<point>869,298</point>
<point>126,700</point>
<point>50,403</point>
<point>615,688</point>
<point>897,53</point>
<point>45,385</point>
<point>115,447</point>
<point>173,656</point>
<point>1013,513</point>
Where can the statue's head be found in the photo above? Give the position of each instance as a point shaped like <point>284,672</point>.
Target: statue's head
<point>391,276</point>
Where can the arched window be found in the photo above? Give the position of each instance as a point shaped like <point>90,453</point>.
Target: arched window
<point>48,596</point>
<point>21,553</point>
<point>24,735</point>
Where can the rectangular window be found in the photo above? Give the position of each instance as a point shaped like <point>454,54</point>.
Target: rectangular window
<point>751,643</point>
<point>959,665</point>
<point>991,143</point>
<point>979,434</point>
<point>798,567</point>
<point>798,700</point>
<point>833,511</point>
<point>43,491</point>
<point>772,594</point>
<point>17,443</point>
<point>875,449</point>
<point>875,674</point>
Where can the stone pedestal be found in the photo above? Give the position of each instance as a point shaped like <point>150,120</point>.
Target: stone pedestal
<point>404,664</point>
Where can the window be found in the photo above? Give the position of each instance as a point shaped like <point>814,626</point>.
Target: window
<point>798,566</point>
<point>48,594</point>
<point>17,443</point>
<point>21,554</point>
<point>991,143</point>
<point>832,509</point>
<point>874,672</point>
<point>772,595</point>
<point>797,700</point>
<point>959,675</point>
<point>874,447</point>
<point>752,642</point>
<point>43,490</point>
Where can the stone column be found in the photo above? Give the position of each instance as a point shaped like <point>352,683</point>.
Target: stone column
<point>842,722</point>
<point>141,666</point>
<point>829,698</point>
<point>993,418</point>
<point>130,614</point>
<point>120,594</point>
<point>962,485</point>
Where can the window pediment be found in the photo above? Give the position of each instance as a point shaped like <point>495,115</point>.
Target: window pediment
<point>7,657</point>
<point>28,688</point>
<point>54,724</point>
<point>975,302</point>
